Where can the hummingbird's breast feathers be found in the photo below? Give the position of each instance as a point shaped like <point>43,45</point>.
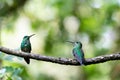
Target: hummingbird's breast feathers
<point>26,45</point>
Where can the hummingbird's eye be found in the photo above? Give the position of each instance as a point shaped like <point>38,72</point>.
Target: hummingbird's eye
<point>77,42</point>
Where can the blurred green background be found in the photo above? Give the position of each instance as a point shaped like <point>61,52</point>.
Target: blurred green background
<point>96,23</point>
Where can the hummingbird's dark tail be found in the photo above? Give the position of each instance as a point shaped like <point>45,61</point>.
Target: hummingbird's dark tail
<point>81,61</point>
<point>27,60</point>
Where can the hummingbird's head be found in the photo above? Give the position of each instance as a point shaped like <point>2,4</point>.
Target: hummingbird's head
<point>78,44</point>
<point>28,37</point>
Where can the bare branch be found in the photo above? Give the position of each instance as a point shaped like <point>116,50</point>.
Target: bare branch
<point>64,61</point>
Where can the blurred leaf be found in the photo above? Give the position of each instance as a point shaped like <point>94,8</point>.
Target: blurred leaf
<point>45,77</point>
<point>13,73</point>
<point>15,77</point>
<point>8,57</point>
<point>17,71</point>
<point>1,55</point>
<point>10,6</point>
<point>102,51</point>
<point>9,69</point>
<point>9,78</point>
<point>2,72</point>
<point>36,24</point>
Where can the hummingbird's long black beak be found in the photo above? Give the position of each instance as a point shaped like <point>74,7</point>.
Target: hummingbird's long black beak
<point>31,35</point>
<point>70,42</point>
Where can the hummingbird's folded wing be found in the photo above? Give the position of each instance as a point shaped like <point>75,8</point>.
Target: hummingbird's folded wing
<point>79,55</point>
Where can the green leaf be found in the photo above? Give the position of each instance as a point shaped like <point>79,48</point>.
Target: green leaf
<point>9,69</point>
<point>16,78</point>
<point>9,78</point>
<point>8,57</point>
<point>1,55</point>
<point>17,71</point>
<point>2,72</point>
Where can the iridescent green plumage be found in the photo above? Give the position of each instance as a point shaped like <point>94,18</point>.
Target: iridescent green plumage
<point>26,46</point>
<point>78,52</point>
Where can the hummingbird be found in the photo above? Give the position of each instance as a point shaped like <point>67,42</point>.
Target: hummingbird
<point>26,46</point>
<point>78,52</point>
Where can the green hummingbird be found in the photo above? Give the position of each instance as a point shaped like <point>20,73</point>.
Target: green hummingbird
<point>26,46</point>
<point>78,52</point>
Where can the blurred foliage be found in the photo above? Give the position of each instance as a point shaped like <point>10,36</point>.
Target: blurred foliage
<point>10,73</point>
<point>96,23</point>
<point>10,6</point>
